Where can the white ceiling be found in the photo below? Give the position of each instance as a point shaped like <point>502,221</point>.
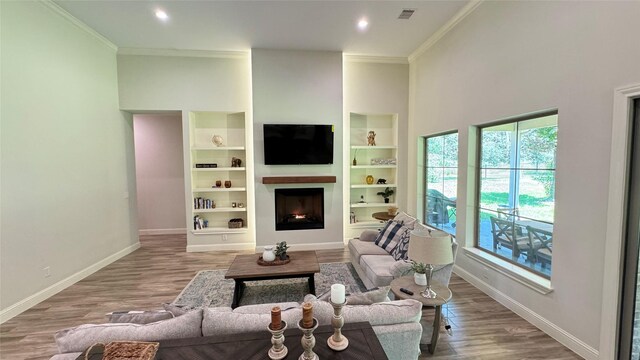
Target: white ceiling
<point>241,25</point>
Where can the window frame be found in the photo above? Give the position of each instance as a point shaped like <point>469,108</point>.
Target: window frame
<point>478,193</point>
<point>425,155</point>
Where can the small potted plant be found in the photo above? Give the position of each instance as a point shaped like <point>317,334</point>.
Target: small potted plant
<point>386,194</point>
<point>420,273</point>
<point>281,250</point>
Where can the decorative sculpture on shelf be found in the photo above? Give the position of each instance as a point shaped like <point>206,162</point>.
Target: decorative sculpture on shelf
<point>381,181</point>
<point>371,138</point>
<point>217,140</point>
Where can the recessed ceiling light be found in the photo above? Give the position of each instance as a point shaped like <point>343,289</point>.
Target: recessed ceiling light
<point>363,24</point>
<point>160,14</point>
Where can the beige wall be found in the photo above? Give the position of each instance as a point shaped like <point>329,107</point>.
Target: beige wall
<point>381,88</point>
<point>511,58</point>
<point>218,83</point>
<point>183,83</point>
<point>297,87</point>
<point>159,173</point>
<point>68,187</point>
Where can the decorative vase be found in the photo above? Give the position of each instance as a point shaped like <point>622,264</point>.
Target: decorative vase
<point>420,279</point>
<point>283,256</point>
<point>268,254</point>
<point>218,183</point>
<point>227,183</point>
<point>355,162</point>
<point>386,200</point>
<point>369,179</point>
<point>217,140</point>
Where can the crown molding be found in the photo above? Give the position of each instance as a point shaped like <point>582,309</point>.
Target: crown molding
<point>79,24</point>
<point>375,59</point>
<point>433,39</point>
<point>185,53</point>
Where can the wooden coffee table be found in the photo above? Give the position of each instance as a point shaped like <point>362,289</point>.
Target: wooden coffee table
<point>245,268</point>
<point>443,296</point>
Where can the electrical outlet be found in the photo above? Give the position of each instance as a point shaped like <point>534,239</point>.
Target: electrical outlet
<point>485,272</point>
<point>224,237</point>
<point>46,271</point>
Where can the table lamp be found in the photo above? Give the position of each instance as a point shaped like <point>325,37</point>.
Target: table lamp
<point>431,249</point>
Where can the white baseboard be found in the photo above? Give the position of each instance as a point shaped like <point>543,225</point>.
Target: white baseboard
<point>182,231</point>
<point>311,246</point>
<point>260,249</point>
<point>42,295</point>
<point>574,344</point>
<point>218,247</point>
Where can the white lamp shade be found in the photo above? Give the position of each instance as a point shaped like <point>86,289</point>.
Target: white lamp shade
<point>430,248</point>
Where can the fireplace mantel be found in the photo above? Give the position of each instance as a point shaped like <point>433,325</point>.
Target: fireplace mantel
<point>298,179</point>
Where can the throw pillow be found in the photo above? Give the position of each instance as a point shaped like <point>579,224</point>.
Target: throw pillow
<point>79,338</point>
<point>405,219</point>
<point>384,313</point>
<point>400,251</point>
<point>418,227</point>
<point>138,317</point>
<point>389,237</point>
<point>216,323</point>
<point>175,309</point>
<point>369,297</point>
<point>264,308</point>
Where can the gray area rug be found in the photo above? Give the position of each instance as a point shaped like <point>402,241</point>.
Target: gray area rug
<point>209,288</point>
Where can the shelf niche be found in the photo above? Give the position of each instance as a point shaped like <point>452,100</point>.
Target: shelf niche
<point>298,179</point>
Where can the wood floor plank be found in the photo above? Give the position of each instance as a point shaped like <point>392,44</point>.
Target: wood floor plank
<point>160,269</point>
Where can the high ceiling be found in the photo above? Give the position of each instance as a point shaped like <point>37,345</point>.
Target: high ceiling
<point>241,25</point>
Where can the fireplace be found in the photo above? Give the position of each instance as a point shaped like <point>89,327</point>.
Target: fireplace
<point>299,209</point>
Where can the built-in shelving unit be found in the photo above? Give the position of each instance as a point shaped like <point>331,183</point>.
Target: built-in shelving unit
<point>386,128</point>
<point>226,202</point>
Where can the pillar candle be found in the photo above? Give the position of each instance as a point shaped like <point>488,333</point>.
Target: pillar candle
<point>337,293</point>
<point>307,315</point>
<point>276,319</point>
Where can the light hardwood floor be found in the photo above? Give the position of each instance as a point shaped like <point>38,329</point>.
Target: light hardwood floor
<point>160,269</point>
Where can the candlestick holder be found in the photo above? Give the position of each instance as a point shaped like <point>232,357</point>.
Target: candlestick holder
<point>278,350</point>
<point>308,341</point>
<point>337,341</point>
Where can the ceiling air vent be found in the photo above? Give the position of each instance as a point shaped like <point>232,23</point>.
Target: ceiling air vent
<point>406,13</point>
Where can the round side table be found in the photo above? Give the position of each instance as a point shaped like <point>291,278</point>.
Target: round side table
<point>382,216</point>
<point>443,296</point>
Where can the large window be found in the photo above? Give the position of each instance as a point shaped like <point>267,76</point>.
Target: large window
<point>516,198</point>
<point>441,181</point>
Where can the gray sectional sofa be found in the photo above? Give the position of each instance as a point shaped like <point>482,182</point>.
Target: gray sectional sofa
<point>376,267</point>
<point>396,323</point>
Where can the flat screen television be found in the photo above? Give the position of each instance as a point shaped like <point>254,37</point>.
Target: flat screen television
<point>298,144</point>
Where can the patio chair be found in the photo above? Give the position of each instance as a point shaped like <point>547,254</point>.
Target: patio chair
<point>440,208</point>
<point>508,213</point>
<point>544,239</point>
<point>508,234</point>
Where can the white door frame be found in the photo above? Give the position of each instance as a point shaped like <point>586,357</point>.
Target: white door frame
<point>613,257</point>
